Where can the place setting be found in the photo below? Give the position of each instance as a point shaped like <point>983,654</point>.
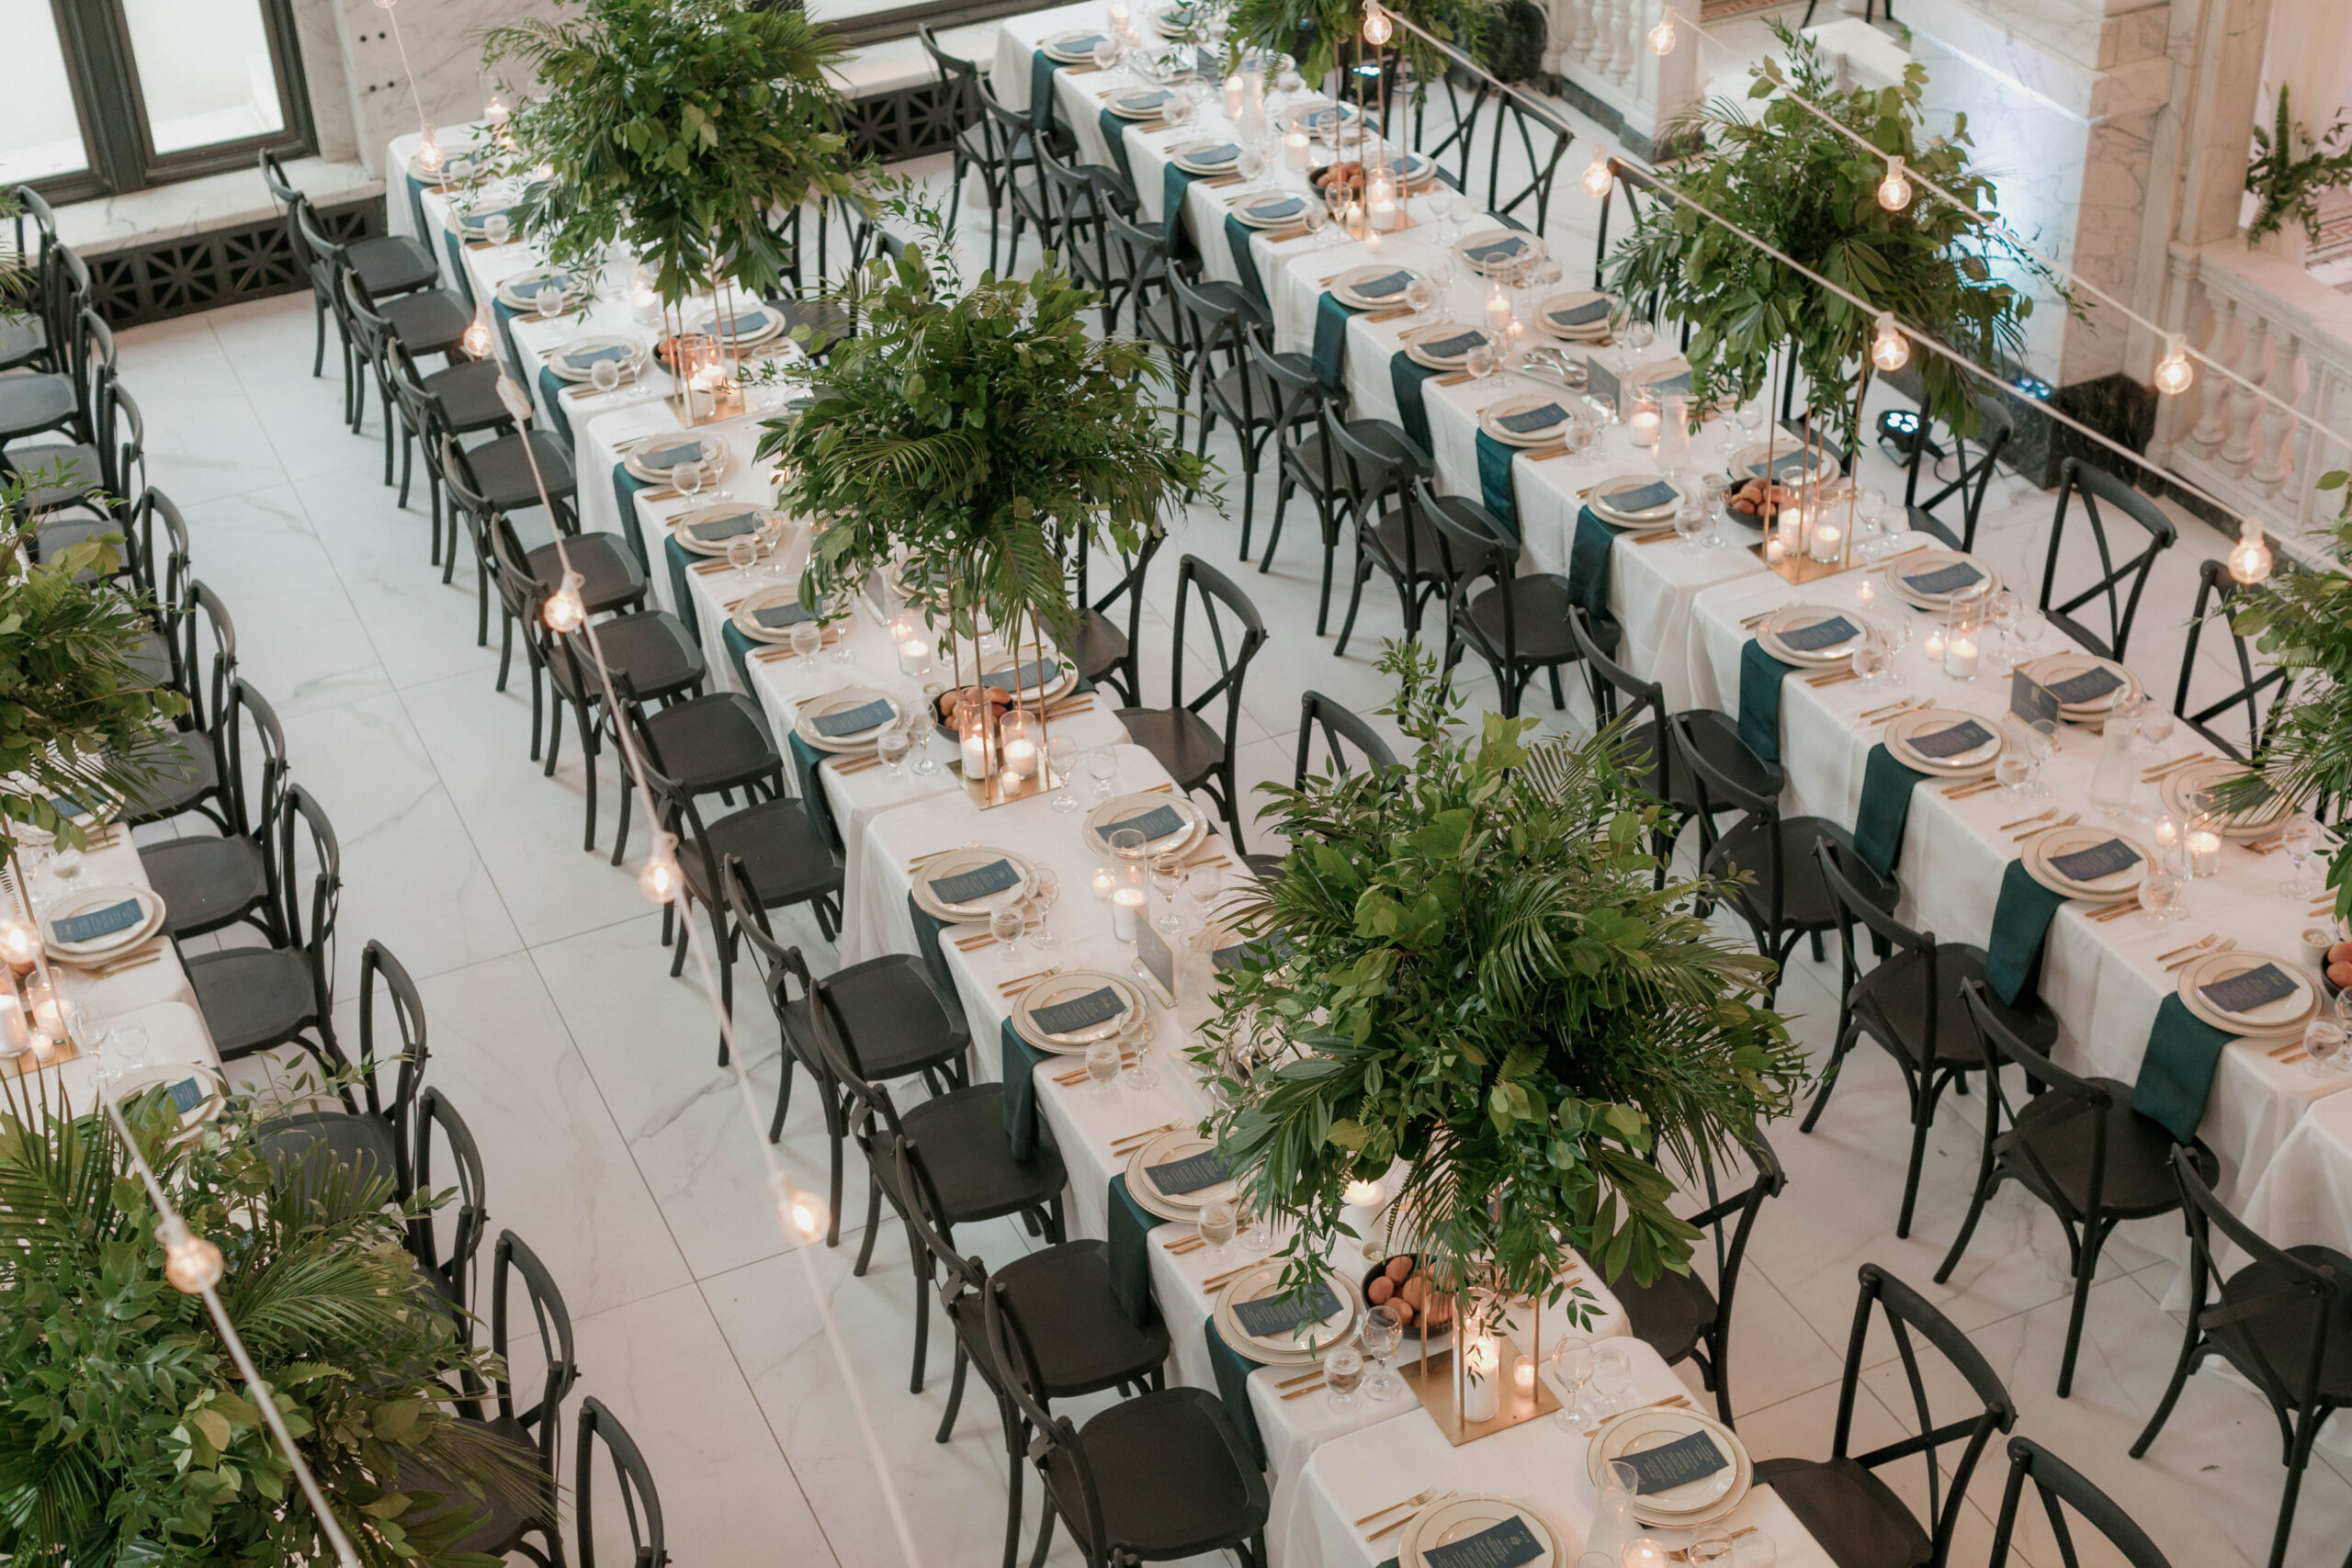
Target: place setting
<point>1074,47</point>
<point>1138,103</point>
<point>1272,210</point>
<point>1068,1010</point>
<point>968,885</point>
<point>2251,995</point>
<point>710,530</point>
<point>2095,865</point>
<point>546,292</point>
<point>1931,578</point>
<point>1530,421</point>
<point>1443,345</point>
<point>1496,250</point>
<point>1261,1322</point>
<point>1029,675</point>
<point>2191,793</point>
<point>1944,742</point>
<point>580,362</point>
<point>1479,1529</point>
<point>1691,1470</point>
<point>1375,287</point>
<point>1810,636</point>
<point>1580,316</point>
<point>2088,687</point>
<point>1635,499</point>
<point>100,927</point>
<point>1785,462</point>
<point>1168,822</point>
<point>1206,156</point>
<point>743,326</point>
<point>657,458</point>
<point>846,721</point>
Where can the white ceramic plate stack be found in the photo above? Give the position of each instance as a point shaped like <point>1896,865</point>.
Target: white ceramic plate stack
<point>1630,484</point>
<point>1376,288</point>
<point>1074,47</point>
<point>2056,669</point>
<point>521,292</point>
<point>708,530</point>
<point>1004,664</point>
<point>1120,809</point>
<point>1459,1518</point>
<point>2256,822</point>
<point>1272,209</point>
<point>1973,763</point>
<point>475,224</point>
<point>1694,1503</point>
<point>195,1088</point>
<point>2279,1020</point>
<point>1904,571</point>
<point>89,901</point>
<point>955,863</point>
<point>1484,253</point>
<point>1300,1347</point>
<point>1411,169</point>
<point>1801,617</point>
<point>1211,156</point>
<point>1581,315</point>
<point>2114,888</point>
<point>1138,103</point>
<point>655,458</point>
<point>1055,989</point>
<point>848,697</point>
<point>577,361</point>
<point>1314,118</point>
<point>746,326</point>
<point>1455,339</point>
<point>1788,461</point>
<point>1502,420</point>
<point>746,613</point>
<point>458,166</point>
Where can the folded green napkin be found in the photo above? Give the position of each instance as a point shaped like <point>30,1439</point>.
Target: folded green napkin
<point>1588,561</point>
<point>1760,675</point>
<point>2177,1074</point>
<point>1130,1227</point>
<point>2020,920</point>
<point>681,576</point>
<point>1115,137</point>
<point>1886,806</point>
<point>1495,482</point>
<point>1042,67</point>
<point>625,488</point>
<point>805,759</point>
<point>1405,378</point>
<point>1233,1370</point>
<point>551,400</point>
<point>1237,240</point>
<point>456,249</point>
<point>1174,183</point>
<point>1021,1060</point>
<point>934,961</point>
<point>1331,340</point>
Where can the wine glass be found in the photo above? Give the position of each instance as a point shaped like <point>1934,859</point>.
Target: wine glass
<point>605,375</point>
<point>1102,774</point>
<point>1005,924</point>
<point>498,228</point>
<point>687,478</point>
<point>2163,891</point>
<point>743,554</point>
<point>1217,1223</point>
<point>1250,163</point>
<point>552,298</point>
<point>1612,1373</point>
<point>891,747</point>
<point>2324,1039</point>
<point>1899,638</point>
<point>1202,889</point>
<point>1572,1366</point>
<point>1169,874</point>
<point>1106,52</point>
<point>1141,1075</point>
<point>2303,839</point>
<point>1754,1549</point>
<point>1343,1374</point>
<point>1870,660</point>
<point>920,726</point>
<point>1316,217</point>
<point>1420,294</point>
<point>1713,485</point>
<point>128,1040</point>
<point>1483,358</point>
<point>64,865</point>
<point>1710,1550</point>
<point>1382,1332</point>
<point>1102,1068</point>
<point>1044,887</point>
<point>1689,521</point>
<point>2041,744</point>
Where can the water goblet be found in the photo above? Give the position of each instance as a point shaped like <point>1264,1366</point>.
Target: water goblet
<point>1140,1074</point>
<point>806,638</point>
<point>1106,52</point>
<point>2303,839</point>
<point>920,726</point>
<point>1218,1220</point>
<point>128,1039</point>
<point>554,295</point>
<point>1169,874</point>
<point>1754,1549</point>
<point>1420,294</point>
<point>498,228</point>
<point>1006,924</point>
<point>1572,1364</point>
<point>1044,888</point>
<point>891,747</point>
<point>1102,774</point>
<point>1483,358</point>
<point>1063,751</point>
<point>1711,1550</point>
<point>687,478</point>
<point>2161,893</point>
<point>2323,1039</point>
<point>1102,1068</point>
<point>605,375</point>
<point>1249,163</point>
<point>64,865</point>
<point>1713,485</point>
<point>2041,744</point>
<point>1690,521</point>
<point>1870,660</point>
<point>1316,218</point>
<point>1381,1332</point>
<point>1899,638</point>
<point>1343,1374</point>
<point>2011,769</point>
<point>743,554</point>
<point>1612,1373</point>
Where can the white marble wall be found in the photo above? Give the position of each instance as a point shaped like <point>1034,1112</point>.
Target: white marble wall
<point>444,51</point>
<point>330,83</point>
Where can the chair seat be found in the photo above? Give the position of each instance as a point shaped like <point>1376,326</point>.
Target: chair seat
<point>1084,1338</point>
<point>1539,618</point>
<point>1181,739</point>
<point>1719,742</point>
<point>205,883</point>
<point>895,1016</point>
<point>1173,1477</point>
<point>1400,537</point>
<point>1233,297</point>
<point>1926,522</point>
<point>650,648</point>
<point>153,659</point>
<point>962,1134</point>
<point>2280,1336</point>
<point>1891,1000</point>
<point>1671,1314</point>
<point>61,532</point>
<point>1349,480</point>
<point>75,467</point>
<point>392,264</point>
<point>432,323</point>
<point>713,742</point>
<point>252,998</point>
<point>468,395</point>
<point>500,1524</point>
<point>178,782</point>
<point>1226,393</point>
<point>786,855</point>
<point>363,1144</point>
<point>1857,1517</point>
<point>1806,901</point>
<point>31,404</point>
<point>2051,1145</point>
<point>504,470</point>
<point>21,342</point>
<point>610,577</point>
<point>1099,646</point>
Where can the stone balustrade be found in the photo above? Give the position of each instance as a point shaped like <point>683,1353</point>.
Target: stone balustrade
<point>1600,50</point>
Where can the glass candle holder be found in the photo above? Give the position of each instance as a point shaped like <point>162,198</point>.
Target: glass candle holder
<point>1674,432</point>
<point>913,640</point>
<point>644,298</point>
<point>1964,629</point>
<point>1643,419</point>
<point>19,946</point>
<point>1020,735</point>
<point>1481,1380</point>
<point>2204,843</point>
<point>1130,896</point>
<point>976,733</point>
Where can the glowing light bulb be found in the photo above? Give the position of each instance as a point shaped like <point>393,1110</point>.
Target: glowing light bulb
<point>1895,191</point>
<point>386,4</point>
<point>1378,28</point>
<point>2250,556</point>
<point>1892,350</point>
<point>566,611</point>
<point>2174,373</point>
<point>660,877</point>
<point>191,1263</point>
<point>476,342</point>
<point>1598,177</point>
<point>803,1212</point>
<point>429,156</point>
<point>1662,38</point>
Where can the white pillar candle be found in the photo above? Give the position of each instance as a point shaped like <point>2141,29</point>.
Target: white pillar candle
<point>1478,1387</point>
<point>976,756</point>
<point>2204,852</point>
<point>1827,538</point>
<point>1233,96</point>
<point>1960,657</point>
<point>1934,647</point>
<point>1643,427</point>
<point>1499,311</point>
<point>1644,1553</point>
<point>1296,150</point>
<point>1127,902</point>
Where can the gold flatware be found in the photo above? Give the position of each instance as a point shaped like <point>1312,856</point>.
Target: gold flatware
<point>710,567</point>
<point>1390,315</point>
<point>1835,678</point>
<point>1231,1274</point>
<point>1758,619</point>
<point>1408,1518</point>
<point>2290,1045</point>
<point>1658,536</point>
<point>2027,821</point>
<point>1158,789</point>
<point>2070,819</point>
<point>1547,457</point>
<point>1892,707</point>
<point>1415,1501</point>
<point>926,859</point>
<point>2228,944</point>
<point>1187,1243</point>
<point>101,971</point>
<point>2200,945</point>
<point>2291,1061</point>
<point>1308,1376</point>
<point>1455,379</point>
<point>1145,1136</point>
<point>1971,789</point>
<point>2115,912</point>
<point>2160,768</point>
<point>1309,1388</point>
<point>986,939</point>
<point>857,765</point>
<point>1029,979</point>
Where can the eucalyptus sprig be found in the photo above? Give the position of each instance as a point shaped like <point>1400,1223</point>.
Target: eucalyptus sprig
<point>2287,183</point>
<point>1465,964</point>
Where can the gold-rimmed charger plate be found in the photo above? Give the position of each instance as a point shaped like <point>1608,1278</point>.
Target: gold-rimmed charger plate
<point>2281,1019</point>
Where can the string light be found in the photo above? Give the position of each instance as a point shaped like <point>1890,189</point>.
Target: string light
<point>659,878</point>
<point>804,1213</point>
<point>1662,38</point>
<point>1598,176</point>
<point>566,611</point>
<point>1895,191</point>
<point>191,1263</point>
<point>1892,351</point>
<point>1378,28</point>
<point>429,156</point>
<point>2250,560</point>
<point>476,342</point>
<point>2174,373</point>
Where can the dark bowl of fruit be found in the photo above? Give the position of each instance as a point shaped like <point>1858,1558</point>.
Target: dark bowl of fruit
<point>1400,1281</point>
<point>1755,501</point>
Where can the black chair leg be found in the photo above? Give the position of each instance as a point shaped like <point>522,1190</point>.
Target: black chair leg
<point>954,1392</point>
<point>1828,1079</point>
<point>1274,533</point>
<point>1015,1462</point>
<point>873,1212</point>
<point>921,1261</point>
<point>318,347</point>
<point>1356,601</point>
<point>1923,1110</point>
<point>2086,1266</point>
<point>1985,1186</point>
<point>783,1091</point>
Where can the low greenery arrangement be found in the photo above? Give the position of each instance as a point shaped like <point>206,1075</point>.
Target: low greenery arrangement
<point>683,127</point>
<point>1812,194</point>
<point>125,1434</point>
<point>1327,34</point>
<point>1465,966</point>
<point>78,723</point>
<point>2287,184</point>
<point>981,434</point>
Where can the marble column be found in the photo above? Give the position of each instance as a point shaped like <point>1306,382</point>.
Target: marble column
<point>444,52</point>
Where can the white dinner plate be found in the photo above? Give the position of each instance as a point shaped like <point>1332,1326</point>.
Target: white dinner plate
<point>1550,316</point>
<point>1459,1518</point>
<point>2281,1019</point>
<point>1138,103</point>
<point>682,527</point>
<point>1492,417</point>
<point>1297,1347</point>
<point>1272,209</point>
<point>954,863</point>
<point>2054,668</point>
<point>1208,155</point>
<point>85,900</point>
<point>1180,1144</point>
<point>1417,344</point>
<point>1348,286</point>
<point>1068,987</point>
<point>1003,662</point>
<point>1971,764</point>
<point>631,361</point>
<point>1625,484</point>
<point>1120,807</point>
<point>521,292</point>
<point>475,224</point>
<point>1313,117</point>
<point>1785,456</point>
<point>834,702</point>
<point>458,166</point>
<point>1796,617</point>
<point>746,612</point>
<point>708,450</point>
<point>1694,1503</point>
<point>1074,47</point>
<point>194,1088</point>
<point>2179,786</point>
<point>1484,253</point>
<point>747,323</point>
<point>2112,888</point>
<point>1926,563</point>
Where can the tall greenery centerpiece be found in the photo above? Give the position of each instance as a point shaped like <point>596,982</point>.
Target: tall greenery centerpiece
<point>1465,964</point>
<point>979,437</point>
<point>2287,183</point>
<point>687,128</point>
<point>127,1435</point>
<point>1327,35</point>
<point>1813,194</point>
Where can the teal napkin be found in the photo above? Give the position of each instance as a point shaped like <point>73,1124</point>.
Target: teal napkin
<point>504,314</point>
<point>682,582</point>
<point>456,249</point>
<point>2021,919</point>
<point>1021,1060</point>
<point>1760,675</point>
<point>1237,240</point>
<point>1886,806</point>
<point>805,759</point>
<point>739,649</point>
<point>2177,1071</point>
<point>1495,482</point>
<point>1405,378</point>
<point>1042,67</point>
<point>1115,137</point>
<point>1130,1227</point>
<point>1233,1370</point>
<point>551,400</point>
<point>625,488</point>
<point>1174,183</point>
<point>934,962</point>
<point>416,190</point>
<point>1331,340</point>
<point>1588,561</point>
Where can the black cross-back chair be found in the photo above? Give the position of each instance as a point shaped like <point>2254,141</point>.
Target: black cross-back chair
<point>2078,1145</point>
<point>391,264</point>
<point>1139,253</point>
<point>1084,196</point>
<point>442,405</point>
<point>2215,591</point>
<point>189,778</point>
<point>1972,480</point>
<point>1639,191</point>
<point>1220,331</point>
<point>1380,461</point>
<point>1158,1476</point>
<point>1104,651</point>
<point>431,320</point>
<point>377,1142</point>
<point>79,489</point>
<point>1517,624</point>
<point>256,998</point>
<point>2283,1321</point>
<point>25,339</point>
<point>1912,1003</point>
<point>451,1267</point>
<point>1857,1518</point>
<point>640,1504</point>
<point>1307,421</point>
<point>972,149</point>
<point>1342,729</point>
<point>612,579</point>
<point>1680,1315</point>
<point>2098,489</point>
<point>712,744</point>
<point>157,656</point>
<point>2062,1488</point>
<point>34,403</point>
<point>1025,188</point>
<point>209,883</point>
<point>1197,754</point>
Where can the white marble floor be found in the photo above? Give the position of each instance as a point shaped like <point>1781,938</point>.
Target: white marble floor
<point>618,1150</point>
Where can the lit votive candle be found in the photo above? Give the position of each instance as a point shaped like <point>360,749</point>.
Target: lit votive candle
<point>1866,592</point>
<point>1498,311</point>
<point>1019,758</point>
<point>1643,1552</point>
<point>2204,853</point>
<point>1934,647</point>
<point>1104,880</point>
<point>1127,902</point>
<point>1774,551</point>
<point>1233,96</point>
<point>1363,1194</point>
<point>2167,836</point>
<point>1643,427</point>
<point>1827,538</point>
<point>1522,1376</point>
<point>1960,657</point>
<point>19,946</point>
